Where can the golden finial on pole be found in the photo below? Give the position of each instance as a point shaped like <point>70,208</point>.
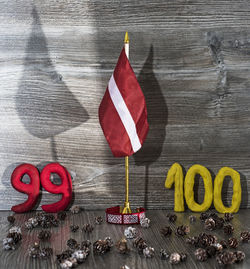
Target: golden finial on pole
<point>126,38</point>
<point>126,44</point>
<point>126,208</point>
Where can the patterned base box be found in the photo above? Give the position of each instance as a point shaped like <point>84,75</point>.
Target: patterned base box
<point>114,216</point>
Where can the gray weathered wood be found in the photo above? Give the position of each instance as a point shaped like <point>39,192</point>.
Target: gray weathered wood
<point>191,59</point>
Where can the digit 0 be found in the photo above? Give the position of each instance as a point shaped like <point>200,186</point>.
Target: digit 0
<point>32,189</point>
<point>189,188</point>
<point>218,182</point>
<point>65,188</point>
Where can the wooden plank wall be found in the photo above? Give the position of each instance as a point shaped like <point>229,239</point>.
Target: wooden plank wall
<point>192,59</point>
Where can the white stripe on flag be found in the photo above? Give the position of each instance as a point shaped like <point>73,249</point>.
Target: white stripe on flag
<point>124,114</point>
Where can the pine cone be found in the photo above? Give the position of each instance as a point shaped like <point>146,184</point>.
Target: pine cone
<point>211,251</point>
<point>200,254</point>
<point>148,252</point>
<point>163,254</point>
<point>98,220</point>
<point>8,243</point>
<point>28,225</point>
<point>245,236</point>
<point>228,229</point>
<point>100,247</point>
<point>209,224</point>
<point>175,258</point>
<point>109,241</point>
<point>87,228</point>
<point>74,228</point>
<point>212,239</point>
<point>192,218</point>
<point>75,209</point>
<point>182,230</point>
<point>194,241</point>
<point>80,255</point>
<point>46,252</point>
<point>166,231</point>
<point>44,235</point>
<point>64,255</point>
<point>228,217</point>
<point>140,244</point>
<point>34,251</point>
<point>122,246</point>
<point>225,258</point>
<point>31,223</point>
<point>68,263</point>
<point>61,215</point>
<point>233,242</point>
<point>219,223</point>
<point>130,232</point>
<point>15,229</point>
<point>171,217</point>
<point>54,222</point>
<point>145,222</point>
<point>11,219</point>
<point>72,243</point>
<point>239,256</point>
<point>46,220</point>
<point>15,236</point>
<point>85,244</point>
<point>86,250</point>
<point>206,240</point>
<point>204,216</point>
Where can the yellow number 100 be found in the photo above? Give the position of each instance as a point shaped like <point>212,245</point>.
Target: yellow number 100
<point>175,175</point>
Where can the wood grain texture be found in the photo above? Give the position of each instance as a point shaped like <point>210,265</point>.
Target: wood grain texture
<point>19,258</point>
<point>191,59</point>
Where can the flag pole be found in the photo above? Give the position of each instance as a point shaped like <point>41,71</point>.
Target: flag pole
<point>126,208</point>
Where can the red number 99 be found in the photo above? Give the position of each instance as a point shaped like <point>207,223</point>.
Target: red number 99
<point>33,188</point>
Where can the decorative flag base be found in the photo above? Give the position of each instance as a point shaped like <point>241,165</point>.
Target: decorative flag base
<point>114,216</point>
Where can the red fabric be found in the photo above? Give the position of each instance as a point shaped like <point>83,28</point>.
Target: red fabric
<point>32,189</point>
<point>65,188</point>
<point>110,121</point>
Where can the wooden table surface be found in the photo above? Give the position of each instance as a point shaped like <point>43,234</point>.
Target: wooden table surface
<point>19,258</point>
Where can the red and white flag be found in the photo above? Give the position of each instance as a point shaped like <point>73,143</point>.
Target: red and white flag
<point>123,112</point>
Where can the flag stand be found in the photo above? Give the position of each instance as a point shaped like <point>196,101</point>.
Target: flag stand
<point>124,215</point>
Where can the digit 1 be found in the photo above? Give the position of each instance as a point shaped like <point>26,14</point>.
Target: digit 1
<point>32,189</point>
<point>175,175</point>
<point>218,182</point>
<point>189,188</point>
<point>65,188</point>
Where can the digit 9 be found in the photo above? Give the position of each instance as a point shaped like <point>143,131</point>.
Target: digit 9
<point>65,188</point>
<point>32,189</point>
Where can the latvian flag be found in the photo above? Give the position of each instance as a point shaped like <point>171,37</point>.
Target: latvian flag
<point>123,112</point>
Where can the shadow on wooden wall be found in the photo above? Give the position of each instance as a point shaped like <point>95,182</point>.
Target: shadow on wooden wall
<point>157,119</point>
<point>44,103</point>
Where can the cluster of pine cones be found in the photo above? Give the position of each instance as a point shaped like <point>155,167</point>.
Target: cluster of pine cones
<point>76,253</point>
